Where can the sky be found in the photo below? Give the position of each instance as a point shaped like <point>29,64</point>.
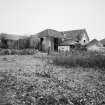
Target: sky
<point>26,17</point>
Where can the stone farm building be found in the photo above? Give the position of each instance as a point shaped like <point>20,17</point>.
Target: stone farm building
<point>73,39</point>
<point>78,36</point>
<point>95,46</point>
<point>50,40</point>
<point>9,41</point>
<point>13,41</point>
<point>46,40</point>
<point>103,42</point>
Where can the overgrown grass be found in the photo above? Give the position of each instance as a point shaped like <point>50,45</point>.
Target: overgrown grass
<point>87,59</point>
<point>17,52</point>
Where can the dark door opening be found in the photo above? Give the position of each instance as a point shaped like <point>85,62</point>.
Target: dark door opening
<point>55,44</point>
<point>40,45</point>
<point>4,43</point>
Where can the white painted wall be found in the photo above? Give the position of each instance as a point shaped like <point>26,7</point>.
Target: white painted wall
<point>64,48</point>
<point>84,39</point>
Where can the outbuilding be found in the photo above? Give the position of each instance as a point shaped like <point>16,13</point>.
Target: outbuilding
<point>94,45</point>
<point>50,39</point>
<point>79,36</point>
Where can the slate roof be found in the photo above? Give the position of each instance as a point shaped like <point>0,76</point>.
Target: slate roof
<point>75,35</point>
<point>50,33</point>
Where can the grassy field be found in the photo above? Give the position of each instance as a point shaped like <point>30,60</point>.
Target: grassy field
<point>30,80</point>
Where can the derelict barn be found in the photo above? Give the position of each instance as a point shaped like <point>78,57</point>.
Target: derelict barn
<point>74,39</point>
<point>77,36</point>
<point>7,41</point>
<point>46,40</point>
<point>13,41</point>
<point>50,39</point>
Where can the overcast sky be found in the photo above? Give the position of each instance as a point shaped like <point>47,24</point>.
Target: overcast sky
<point>32,16</point>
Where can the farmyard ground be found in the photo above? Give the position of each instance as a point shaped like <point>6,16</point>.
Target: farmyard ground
<point>30,80</point>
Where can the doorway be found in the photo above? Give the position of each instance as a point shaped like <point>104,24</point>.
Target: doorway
<point>55,44</point>
<point>40,45</point>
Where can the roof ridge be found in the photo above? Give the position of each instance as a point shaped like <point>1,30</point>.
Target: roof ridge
<point>75,30</point>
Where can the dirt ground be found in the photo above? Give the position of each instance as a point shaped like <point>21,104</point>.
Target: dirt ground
<point>82,86</point>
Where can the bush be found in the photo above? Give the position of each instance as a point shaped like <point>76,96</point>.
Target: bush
<point>83,60</point>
